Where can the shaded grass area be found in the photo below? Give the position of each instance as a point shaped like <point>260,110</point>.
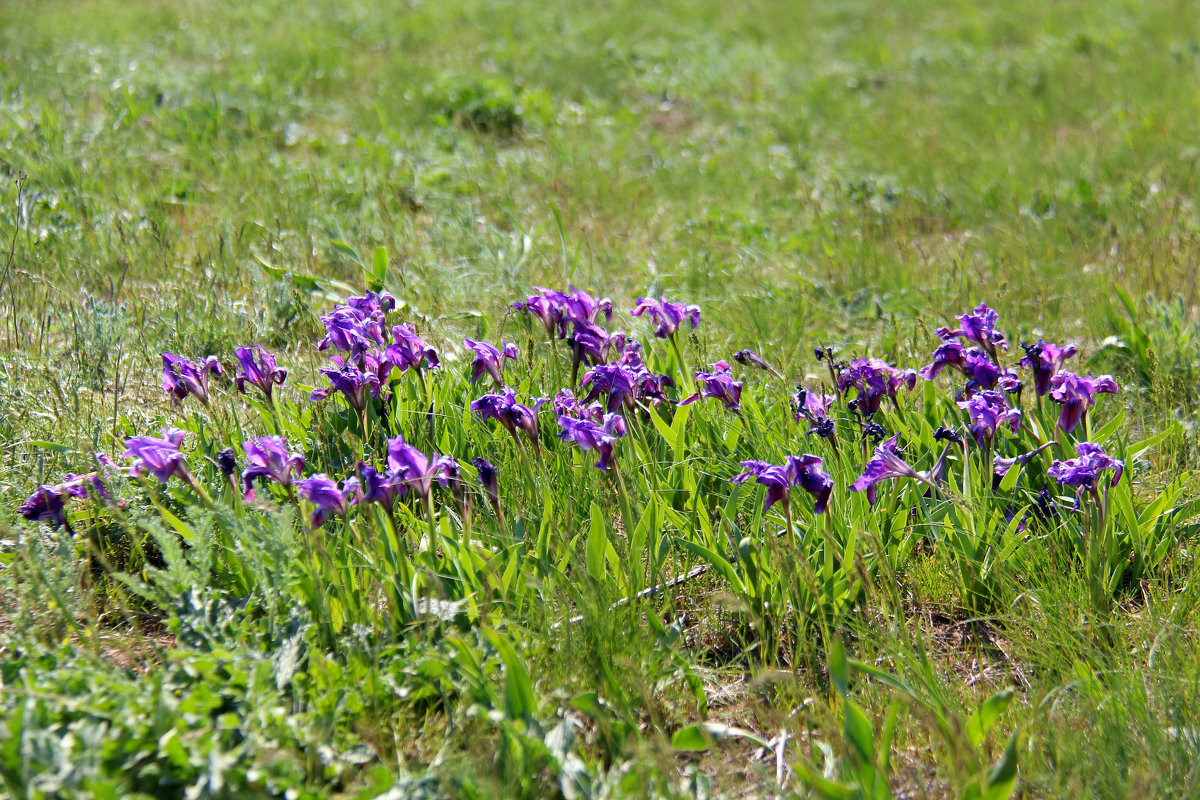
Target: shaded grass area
<point>196,176</point>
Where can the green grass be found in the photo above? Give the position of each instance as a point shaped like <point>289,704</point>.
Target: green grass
<point>199,175</point>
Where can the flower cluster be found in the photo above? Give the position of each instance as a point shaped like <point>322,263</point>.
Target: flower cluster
<point>618,389</point>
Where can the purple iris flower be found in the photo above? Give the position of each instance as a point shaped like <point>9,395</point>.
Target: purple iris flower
<point>373,305</point>
<point>565,404</point>
<point>489,359</point>
<point>268,457</point>
<point>159,457</point>
<point>979,327</point>
<point>358,325</point>
<point>590,436</point>
<point>885,464</point>
<point>182,377</point>
<point>355,384</point>
<point>489,477</point>
<point>380,487</point>
<point>327,497</point>
<point>347,331</point>
<point>982,372</point>
<point>811,405</point>
<point>667,315</point>
<point>1084,472</point>
<point>1076,394</point>
<point>514,416</point>
<point>546,308</point>
<point>989,410</point>
<point>259,369</point>
<point>947,354</point>
<point>418,470</point>
<point>873,378</point>
<point>590,344</point>
<point>410,351</point>
<point>1011,383</point>
<point>718,384</point>
<point>1046,360</point>
<point>804,471</point>
<point>579,306</point>
<point>48,502</point>
<point>617,382</point>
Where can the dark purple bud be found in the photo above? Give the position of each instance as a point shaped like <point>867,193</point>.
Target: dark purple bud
<point>489,477</point>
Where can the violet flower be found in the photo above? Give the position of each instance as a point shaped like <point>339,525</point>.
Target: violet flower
<point>979,327</point>
<point>1084,472</point>
<point>514,416</point>
<point>1076,394</point>
<point>546,308</point>
<point>182,377</point>
<point>873,378</point>
<point>565,404</point>
<point>666,315</point>
<point>159,457</point>
<point>804,471</point>
<point>355,384</point>
<point>1045,360</point>
<point>590,436</point>
<point>258,368</point>
<point>327,497</point>
<point>347,331</point>
<point>989,410</point>
<point>579,306</point>
<point>380,487</point>
<point>616,382</point>
<point>48,502</point>
<point>409,351</point>
<point>267,457</point>
<point>418,470</point>
<point>885,465</point>
<point>718,384</point>
<point>489,359</point>
<point>811,405</point>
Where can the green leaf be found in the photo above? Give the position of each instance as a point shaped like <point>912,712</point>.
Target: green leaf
<point>839,668</point>
<point>347,251</point>
<point>704,735</point>
<point>519,700</point>
<point>379,266</point>
<point>982,720</point>
<point>1136,450</point>
<point>1110,428</point>
<point>44,445</point>
<point>597,544</point>
<point>1003,777</point>
<point>858,732</point>
<point>693,738</point>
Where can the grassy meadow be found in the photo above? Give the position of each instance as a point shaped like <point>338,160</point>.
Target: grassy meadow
<point>197,176</point>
